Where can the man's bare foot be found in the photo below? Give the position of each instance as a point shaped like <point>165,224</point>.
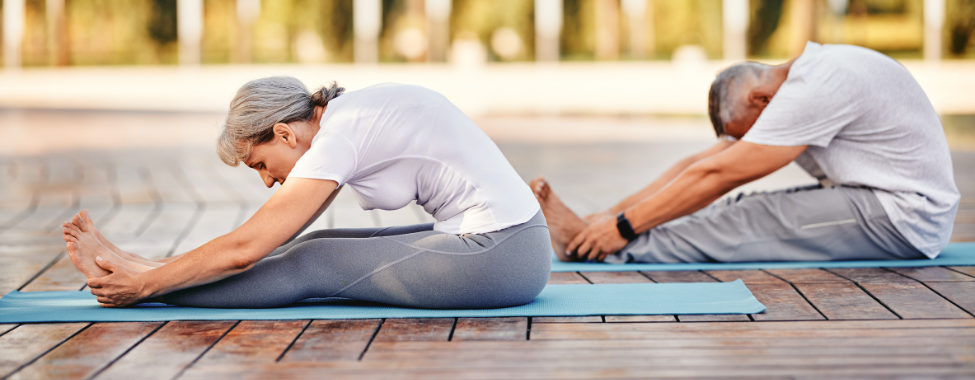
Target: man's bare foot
<point>563,224</point>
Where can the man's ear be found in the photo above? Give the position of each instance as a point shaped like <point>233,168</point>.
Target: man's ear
<point>285,134</point>
<point>759,98</point>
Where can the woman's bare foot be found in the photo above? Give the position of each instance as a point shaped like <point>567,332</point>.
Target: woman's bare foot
<point>84,218</point>
<point>563,224</point>
<point>83,248</point>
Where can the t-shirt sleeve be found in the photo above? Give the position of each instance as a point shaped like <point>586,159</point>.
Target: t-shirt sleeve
<point>810,108</point>
<point>331,156</point>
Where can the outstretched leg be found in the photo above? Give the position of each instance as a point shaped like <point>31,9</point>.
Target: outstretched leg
<point>563,224</point>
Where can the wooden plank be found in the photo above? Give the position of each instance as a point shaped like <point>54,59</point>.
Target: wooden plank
<point>807,276</point>
<point>88,352</point>
<point>961,294</point>
<point>713,318</point>
<point>599,331</point>
<point>844,301</point>
<point>5,327</point>
<point>749,277</point>
<point>164,354</point>
<point>255,341</point>
<point>929,274</point>
<point>969,270</point>
<point>782,303</point>
<point>581,319</point>
<point>415,329</point>
<point>914,301</point>
<point>19,266</point>
<point>870,275</point>
<point>506,328</point>
<point>678,276</point>
<point>566,278</point>
<point>640,318</point>
<point>63,275</point>
<point>333,340</point>
<point>26,342</point>
<point>615,277</point>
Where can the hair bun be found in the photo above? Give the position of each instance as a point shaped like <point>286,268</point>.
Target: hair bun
<point>325,94</point>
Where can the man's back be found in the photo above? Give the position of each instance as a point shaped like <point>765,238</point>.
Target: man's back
<point>867,123</point>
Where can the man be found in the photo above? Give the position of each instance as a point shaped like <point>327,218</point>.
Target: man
<point>851,117</point>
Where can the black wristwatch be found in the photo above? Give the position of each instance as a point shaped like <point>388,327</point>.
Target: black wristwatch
<point>625,228</point>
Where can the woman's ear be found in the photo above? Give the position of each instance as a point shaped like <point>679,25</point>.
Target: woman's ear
<point>285,134</point>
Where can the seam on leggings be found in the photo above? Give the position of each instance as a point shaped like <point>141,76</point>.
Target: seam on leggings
<point>467,253</point>
<point>827,224</point>
<point>377,270</point>
<point>380,230</point>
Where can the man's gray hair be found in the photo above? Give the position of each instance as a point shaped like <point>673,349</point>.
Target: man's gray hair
<point>721,98</point>
<point>259,105</point>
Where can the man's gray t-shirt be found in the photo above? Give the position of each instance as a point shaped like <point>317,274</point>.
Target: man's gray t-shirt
<point>867,123</point>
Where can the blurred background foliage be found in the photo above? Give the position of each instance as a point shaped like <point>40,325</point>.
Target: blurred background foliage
<point>141,32</point>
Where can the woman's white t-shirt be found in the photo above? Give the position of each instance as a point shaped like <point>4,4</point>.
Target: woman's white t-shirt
<point>393,144</point>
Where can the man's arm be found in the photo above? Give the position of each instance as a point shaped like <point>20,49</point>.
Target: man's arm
<point>696,187</point>
<point>663,180</point>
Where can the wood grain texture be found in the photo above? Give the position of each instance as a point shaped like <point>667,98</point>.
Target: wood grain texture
<point>18,266</point>
<point>679,276</point>
<point>333,340</point>
<point>566,278</point>
<point>615,277</point>
<point>640,318</point>
<point>929,274</point>
<point>579,319</point>
<point>88,352</point>
<point>806,276</point>
<point>415,329</point>
<point>782,303</point>
<point>255,341</point>
<point>749,277</point>
<point>713,318</point>
<point>25,343</point>
<point>507,328</point>
<point>168,351</point>
<point>968,270</point>
<point>63,275</point>
<point>961,294</point>
<point>843,301</point>
<point>914,301</point>
<point>870,275</point>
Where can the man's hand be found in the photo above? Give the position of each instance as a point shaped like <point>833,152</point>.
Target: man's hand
<point>597,217</point>
<point>121,287</point>
<point>597,241</point>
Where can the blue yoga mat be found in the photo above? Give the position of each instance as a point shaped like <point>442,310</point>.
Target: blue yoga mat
<point>555,300</point>
<point>954,254</point>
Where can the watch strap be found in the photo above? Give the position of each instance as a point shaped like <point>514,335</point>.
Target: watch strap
<point>624,227</point>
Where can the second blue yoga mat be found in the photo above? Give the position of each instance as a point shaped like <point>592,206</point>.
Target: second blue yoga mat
<point>555,300</point>
<point>954,254</point>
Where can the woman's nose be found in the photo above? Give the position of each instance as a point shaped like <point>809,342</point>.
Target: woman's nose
<point>268,181</point>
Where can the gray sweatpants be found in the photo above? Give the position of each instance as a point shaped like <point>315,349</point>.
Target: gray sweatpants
<point>411,266</point>
<point>800,224</point>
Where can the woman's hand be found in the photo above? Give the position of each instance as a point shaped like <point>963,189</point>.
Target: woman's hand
<point>122,287</point>
<point>597,241</point>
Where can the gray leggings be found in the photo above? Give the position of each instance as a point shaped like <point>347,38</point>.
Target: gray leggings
<point>800,224</point>
<point>410,266</point>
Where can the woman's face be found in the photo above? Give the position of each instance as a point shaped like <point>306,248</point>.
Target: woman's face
<point>274,159</point>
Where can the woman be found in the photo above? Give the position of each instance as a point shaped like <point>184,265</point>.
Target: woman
<point>391,144</point>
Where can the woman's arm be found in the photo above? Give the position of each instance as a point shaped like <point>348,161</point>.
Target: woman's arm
<point>288,211</point>
<point>318,214</point>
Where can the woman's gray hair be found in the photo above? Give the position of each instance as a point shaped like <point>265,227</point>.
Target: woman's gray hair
<point>721,107</point>
<point>259,105</point>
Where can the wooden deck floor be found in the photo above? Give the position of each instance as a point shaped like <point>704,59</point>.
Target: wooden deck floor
<point>850,323</point>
